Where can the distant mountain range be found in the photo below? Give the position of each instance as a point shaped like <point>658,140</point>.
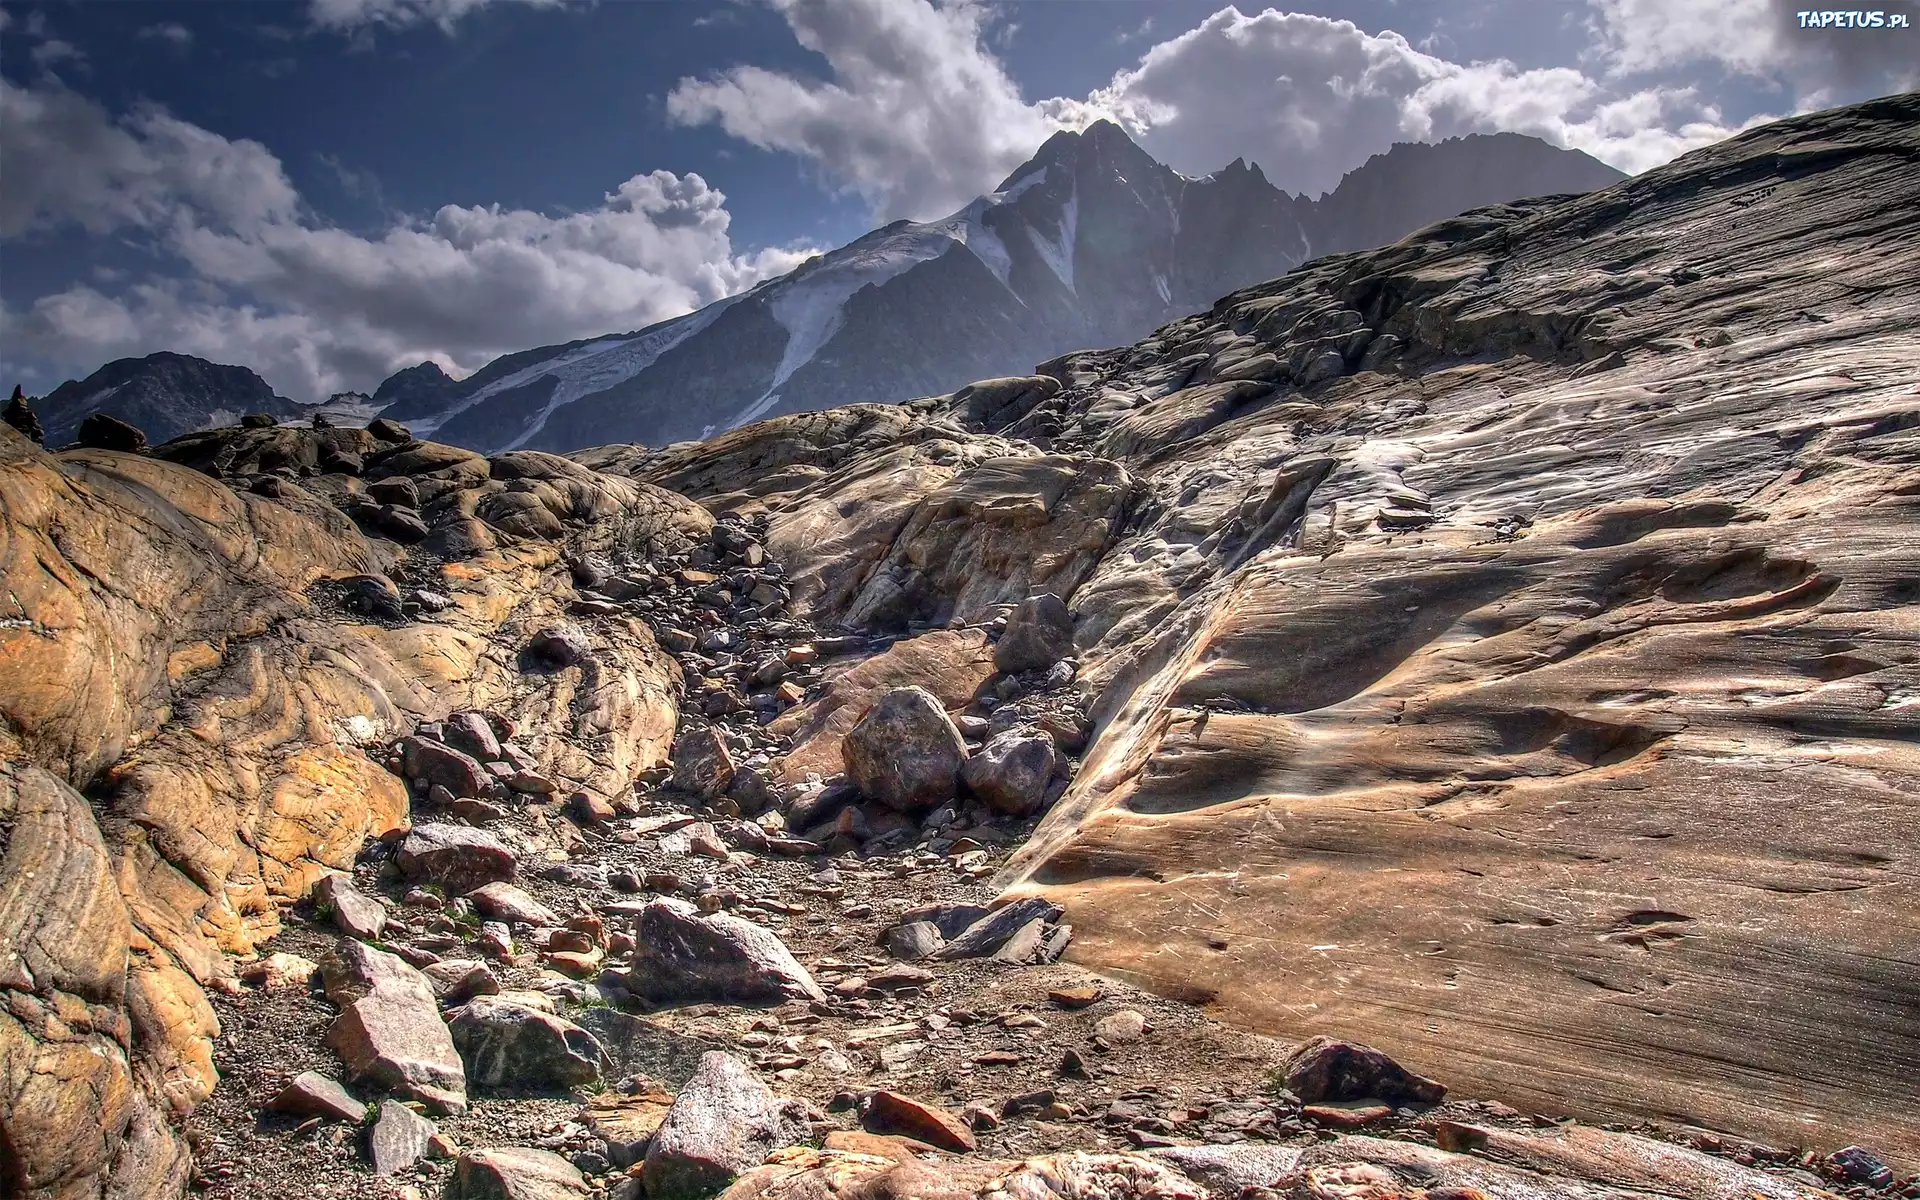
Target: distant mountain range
<point>1090,243</point>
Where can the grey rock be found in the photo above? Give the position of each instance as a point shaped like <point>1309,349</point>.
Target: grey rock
<point>1039,634</point>
<point>389,1032</point>
<point>905,752</point>
<point>912,941</point>
<point>683,956</point>
<point>1024,946</point>
<point>702,764</point>
<point>991,932</point>
<point>559,646</point>
<point>355,913</point>
<point>1012,770</point>
<point>455,857</point>
<point>509,1046</point>
<point>398,1138</point>
<point>1323,1069</point>
<point>949,918</point>
<point>723,1122</point>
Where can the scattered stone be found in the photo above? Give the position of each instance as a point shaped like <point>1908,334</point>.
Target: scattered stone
<point>1323,1069</point>
<point>1121,1028</point>
<point>374,595</point>
<point>281,971</point>
<point>516,1173</point>
<point>506,902</point>
<point>398,1139</point>
<point>1348,1115</point>
<point>311,1094</point>
<point>471,733</point>
<point>724,1122</point>
<point>683,956</point>
<point>899,978</point>
<point>456,858</point>
<point>589,809</point>
<point>508,1045</point>
<point>1039,633</point>
<point>1012,770</point>
<point>990,932</point>
<point>389,1032</point>
<point>355,913</point>
<point>950,919</point>
<point>389,431</point>
<point>1024,946</point>
<point>891,1112</point>
<point>905,752</point>
<point>702,763</point>
<point>891,1146</point>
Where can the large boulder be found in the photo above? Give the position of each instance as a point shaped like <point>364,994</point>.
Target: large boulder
<point>512,1047</point>
<point>724,1122</point>
<point>389,1032</point>
<point>1039,634</point>
<point>506,902</point>
<point>434,762</point>
<point>685,957</point>
<point>994,404</point>
<point>355,913</point>
<point>1012,770</point>
<point>455,857</point>
<point>905,752</point>
<point>1324,1069</point>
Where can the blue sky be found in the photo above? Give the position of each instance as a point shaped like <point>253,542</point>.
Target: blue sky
<point>327,190</point>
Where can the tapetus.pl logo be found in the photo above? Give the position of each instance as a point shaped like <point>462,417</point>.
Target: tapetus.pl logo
<point>1852,18</point>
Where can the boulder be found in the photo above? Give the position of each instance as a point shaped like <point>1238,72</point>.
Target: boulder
<point>454,857</point>
<point>1012,770</point>
<point>389,1032</point>
<point>436,762</point>
<point>311,1094</point>
<point>102,432</point>
<point>457,980</point>
<point>1328,1069</point>
<point>683,956</point>
<point>516,1173</point>
<point>398,1139</point>
<point>389,431</point>
<point>626,1123</point>
<point>510,1046</point>
<point>20,415</point>
<point>992,931</point>
<point>471,733</point>
<point>994,404</point>
<point>355,913</point>
<point>724,1122</point>
<point>559,646</point>
<point>949,918</point>
<point>1121,1028</point>
<point>1039,633</point>
<point>507,902</point>
<point>912,941</point>
<point>702,764</point>
<point>905,752</point>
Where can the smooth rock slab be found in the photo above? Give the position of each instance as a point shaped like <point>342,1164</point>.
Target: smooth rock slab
<point>399,1138</point>
<point>389,1032</point>
<point>684,957</point>
<point>724,1122</point>
<point>905,752</point>
<point>455,857</point>
<point>511,1047</point>
<point>516,1173</point>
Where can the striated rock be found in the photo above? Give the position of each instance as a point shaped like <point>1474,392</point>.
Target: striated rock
<point>1324,1068</point>
<point>516,1173</point>
<point>355,913</point>
<point>1039,633</point>
<point>682,956</point>
<point>506,902</point>
<point>389,1032</point>
<point>311,1094</point>
<point>992,931</point>
<point>724,1122</point>
<point>702,763</point>
<point>507,1045</point>
<point>1012,770</point>
<point>905,752</point>
<point>398,1139</point>
<point>455,857</point>
<point>891,1112</point>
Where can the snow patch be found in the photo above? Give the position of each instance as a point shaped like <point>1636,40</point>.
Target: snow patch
<point>1058,251</point>
<point>1160,285</point>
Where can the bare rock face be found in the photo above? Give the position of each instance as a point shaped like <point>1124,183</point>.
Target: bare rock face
<point>389,1032</point>
<point>1039,633</point>
<point>455,857</point>
<point>1011,772</point>
<point>684,956</point>
<point>508,1045</point>
<point>905,752</point>
<point>724,1122</point>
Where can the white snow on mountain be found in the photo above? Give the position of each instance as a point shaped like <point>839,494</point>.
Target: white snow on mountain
<point>1058,250</point>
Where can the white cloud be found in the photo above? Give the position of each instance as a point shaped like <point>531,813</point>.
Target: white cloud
<point>347,15</point>
<point>918,117</point>
<point>172,32</point>
<point>53,51</point>
<point>317,309</point>
<point>1761,39</point>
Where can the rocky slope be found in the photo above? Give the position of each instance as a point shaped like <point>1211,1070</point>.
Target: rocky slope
<point>164,394</point>
<point>1090,243</point>
<point>1496,649</point>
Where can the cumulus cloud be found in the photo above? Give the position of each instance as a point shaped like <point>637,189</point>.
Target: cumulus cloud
<point>1756,38</point>
<point>917,118</point>
<point>347,15</point>
<point>318,309</point>
<point>171,32</point>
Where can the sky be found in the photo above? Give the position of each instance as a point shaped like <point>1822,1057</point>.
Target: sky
<point>329,190</point>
